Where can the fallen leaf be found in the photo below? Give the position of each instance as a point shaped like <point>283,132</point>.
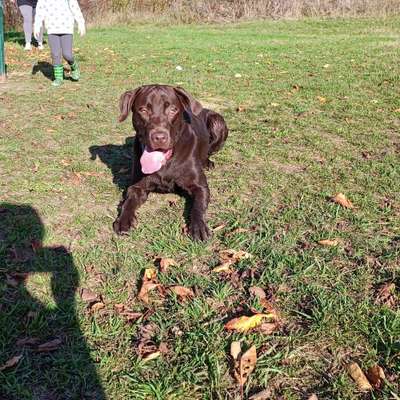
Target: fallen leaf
<point>88,296</point>
<point>385,295</point>
<point>328,242</point>
<point>257,292</point>
<point>313,397</point>
<point>128,314</point>
<point>295,88</point>
<point>97,306</point>
<point>358,376</point>
<point>225,267</point>
<point>182,292</point>
<point>219,227</point>
<point>263,395</point>
<point>163,348</point>
<point>267,328</point>
<point>12,362</point>
<point>235,350</point>
<point>238,230</point>
<point>240,108</point>
<point>151,356</point>
<point>321,99</point>
<point>149,283</point>
<point>27,342</point>
<point>165,263</point>
<point>376,376</point>
<point>247,363</point>
<point>233,256</point>
<point>244,324</point>
<point>341,199</point>
<point>49,346</point>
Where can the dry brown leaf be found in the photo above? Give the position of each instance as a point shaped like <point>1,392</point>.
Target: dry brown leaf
<point>149,283</point>
<point>182,292</point>
<point>263,395</point>
<point>219,227</point>
<point>151,356</point>
<point>341,199</point>
<point>244,324</point>
<point>376,376</point>
<point>97,306</point>
<point>267,328</point>
<point>328,242</point>
<point>225,267</point>
<point>88,296</point>
<point>235,350</point>
<point>238,230</point>
<point>257,292</point>
<point>313,397</point>
<point>358,376</point>
<point>165,263</point>
<point>385,295</point>
<point>12,362</point>
<point>321,99</point>
<point>27,342</point>
<point>247,363</point>
<point>128,314</point>
<point>240,108</point>
<point>233,256</point>
<point>49,346</point>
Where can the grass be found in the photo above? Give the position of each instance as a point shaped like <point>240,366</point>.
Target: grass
<point>319,114</point>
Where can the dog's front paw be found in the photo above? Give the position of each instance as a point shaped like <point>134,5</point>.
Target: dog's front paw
<point>122,225</point>
<point>199,230</point>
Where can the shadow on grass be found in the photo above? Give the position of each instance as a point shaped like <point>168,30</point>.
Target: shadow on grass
<point>19,38</point>
<point>119,159</point>
<point>45,68</point>
<point>15,37</point>
<point>40,326</point>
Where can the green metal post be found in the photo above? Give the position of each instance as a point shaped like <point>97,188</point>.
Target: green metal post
<point>2,57</point>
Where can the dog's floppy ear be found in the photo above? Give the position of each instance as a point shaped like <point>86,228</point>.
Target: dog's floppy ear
<point>188,101</point>
<point>126,102</point>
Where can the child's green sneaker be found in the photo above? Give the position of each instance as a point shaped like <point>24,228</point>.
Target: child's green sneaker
<point>58,75</point>
<point>75,72</point>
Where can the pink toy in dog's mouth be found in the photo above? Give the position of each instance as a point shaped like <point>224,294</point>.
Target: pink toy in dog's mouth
<point>152,161</point>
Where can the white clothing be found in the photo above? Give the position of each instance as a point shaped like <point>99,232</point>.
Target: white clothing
<point>58,16</point>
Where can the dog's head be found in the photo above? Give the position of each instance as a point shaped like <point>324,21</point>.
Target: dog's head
<point>158,112</point>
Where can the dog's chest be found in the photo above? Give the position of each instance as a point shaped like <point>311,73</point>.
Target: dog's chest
<point>166,183</point>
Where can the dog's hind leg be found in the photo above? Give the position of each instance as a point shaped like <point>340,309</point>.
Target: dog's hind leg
<point>218,132</point>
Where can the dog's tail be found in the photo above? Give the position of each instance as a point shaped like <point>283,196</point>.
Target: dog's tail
<point>217,129</point>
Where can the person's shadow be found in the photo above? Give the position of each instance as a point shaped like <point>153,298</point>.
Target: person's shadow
<point>43,353</point>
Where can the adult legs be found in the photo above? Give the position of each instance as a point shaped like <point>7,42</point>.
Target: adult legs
<point>27,15</point>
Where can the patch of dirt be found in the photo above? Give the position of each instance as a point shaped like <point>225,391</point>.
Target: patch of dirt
<point>288,168</point>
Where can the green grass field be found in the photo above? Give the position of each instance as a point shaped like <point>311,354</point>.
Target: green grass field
<point>313,109</point>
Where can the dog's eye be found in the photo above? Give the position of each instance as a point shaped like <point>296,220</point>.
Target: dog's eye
<point>143,110</point>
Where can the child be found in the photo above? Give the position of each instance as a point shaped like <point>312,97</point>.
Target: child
<point>59,17</point>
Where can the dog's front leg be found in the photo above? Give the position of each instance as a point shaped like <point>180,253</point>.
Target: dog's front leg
<point>136,195</point>
<point>200,193</point>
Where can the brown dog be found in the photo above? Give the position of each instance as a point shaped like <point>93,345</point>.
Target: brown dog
<point>175,137</point>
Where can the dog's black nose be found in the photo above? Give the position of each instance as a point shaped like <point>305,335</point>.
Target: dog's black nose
<point>159,138</point>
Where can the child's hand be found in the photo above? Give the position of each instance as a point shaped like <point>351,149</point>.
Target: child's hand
<point>82,29</point>
<point>36,34</point>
